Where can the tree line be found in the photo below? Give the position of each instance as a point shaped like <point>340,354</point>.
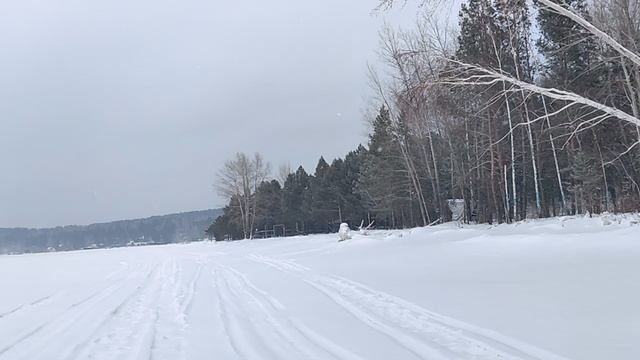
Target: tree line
<point>164,229</point>
<point>518,123</point>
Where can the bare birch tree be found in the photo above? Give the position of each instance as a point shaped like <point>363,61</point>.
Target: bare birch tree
<point>238,181</point>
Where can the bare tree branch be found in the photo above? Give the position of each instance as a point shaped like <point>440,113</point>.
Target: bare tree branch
<point>482,76</point>
<point>565,11</point>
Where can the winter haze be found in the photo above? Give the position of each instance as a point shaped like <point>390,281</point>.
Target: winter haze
<point>120,109</point>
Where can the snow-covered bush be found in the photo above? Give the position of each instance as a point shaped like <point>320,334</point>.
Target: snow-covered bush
<point>345,232</point>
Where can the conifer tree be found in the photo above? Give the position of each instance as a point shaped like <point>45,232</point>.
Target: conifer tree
<point>383,181</point>
<point>296,201</point>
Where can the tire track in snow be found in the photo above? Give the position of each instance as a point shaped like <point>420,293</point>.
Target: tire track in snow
<point>239,337</point>
<point>426,334</point>
<point>223,315</point>
<point>186,299</point>
<point>48,338</point>
<point>284,336</point>
<point>169,324</point>
<point>117,328</point>
<point>276,310</point>
<point>66,318</point>
<point>146,325</point>
<point>410,343</point>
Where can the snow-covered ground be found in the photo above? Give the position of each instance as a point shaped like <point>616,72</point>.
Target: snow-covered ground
<point>549,289</point>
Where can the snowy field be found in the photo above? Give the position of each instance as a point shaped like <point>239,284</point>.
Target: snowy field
<point>550,289</point>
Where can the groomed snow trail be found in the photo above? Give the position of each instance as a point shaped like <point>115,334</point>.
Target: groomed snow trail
<point>310,298</point>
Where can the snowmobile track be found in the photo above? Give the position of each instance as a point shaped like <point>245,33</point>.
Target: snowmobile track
<point>50,328</point>
<point>424,333</point>
<point>266,325</point>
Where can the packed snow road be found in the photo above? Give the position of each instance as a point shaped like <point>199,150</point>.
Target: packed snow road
<point>568,287</point>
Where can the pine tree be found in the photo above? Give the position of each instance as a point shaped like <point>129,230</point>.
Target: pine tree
<point>268,205</point>
<point>354,206</point>
<point>325,207</point>
<point>478,33</point>
<point>296,201</point>
<point>383,182</point>
<point>567,48</point>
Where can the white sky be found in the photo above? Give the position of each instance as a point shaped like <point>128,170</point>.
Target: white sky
<point>113,109</point>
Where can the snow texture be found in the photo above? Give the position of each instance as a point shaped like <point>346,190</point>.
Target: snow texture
<point>550,289</point>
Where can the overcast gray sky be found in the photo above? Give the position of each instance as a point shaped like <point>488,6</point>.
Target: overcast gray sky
<point>113,109</point>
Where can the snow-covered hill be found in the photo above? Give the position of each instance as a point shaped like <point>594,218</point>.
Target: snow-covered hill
<point>550,289</point>
<point>163,229</point>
